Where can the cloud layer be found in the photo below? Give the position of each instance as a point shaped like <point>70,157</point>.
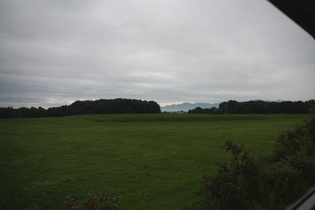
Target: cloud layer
<point>170,51</point>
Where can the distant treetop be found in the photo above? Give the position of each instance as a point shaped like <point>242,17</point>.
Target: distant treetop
<point>259,107</point>
<point>101,106</point>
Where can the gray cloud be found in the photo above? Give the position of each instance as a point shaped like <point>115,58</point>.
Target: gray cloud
<point>55,52</point>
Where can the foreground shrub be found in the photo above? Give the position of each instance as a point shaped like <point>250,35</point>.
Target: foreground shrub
<point>291,169</point>
<point>236,183</point>
<point>243,182</point>
<point>101,201</point>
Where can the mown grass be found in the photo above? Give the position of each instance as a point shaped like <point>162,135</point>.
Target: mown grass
<point>152,161</point>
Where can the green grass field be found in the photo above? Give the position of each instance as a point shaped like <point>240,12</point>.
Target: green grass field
<point>152,161</point>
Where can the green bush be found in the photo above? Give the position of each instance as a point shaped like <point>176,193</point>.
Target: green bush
<point>236,183</point>
<point>244,182</point>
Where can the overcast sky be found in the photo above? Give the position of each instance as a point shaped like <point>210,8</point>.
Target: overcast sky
<point>54,52</point>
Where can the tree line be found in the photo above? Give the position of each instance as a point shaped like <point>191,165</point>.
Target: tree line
<point>133,106</point>
<point>258,107</point>
<point>101,106</point>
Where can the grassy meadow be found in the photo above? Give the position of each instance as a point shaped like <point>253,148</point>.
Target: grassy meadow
<point>151,161</point>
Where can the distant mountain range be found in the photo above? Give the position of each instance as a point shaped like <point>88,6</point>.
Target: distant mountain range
<point>187,106</point>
